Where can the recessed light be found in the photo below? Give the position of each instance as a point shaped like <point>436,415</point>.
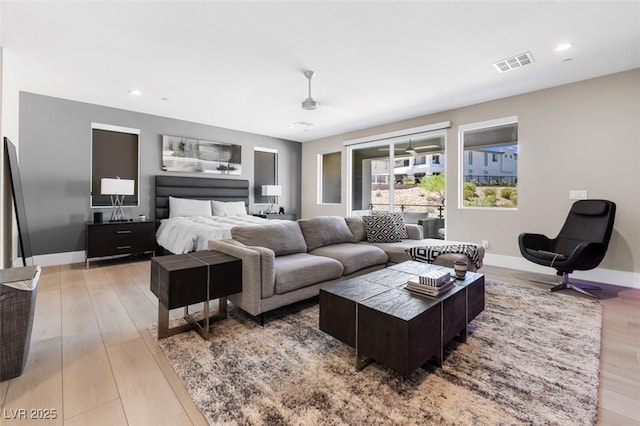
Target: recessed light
<point>563,46</point>
<point>135,92</point>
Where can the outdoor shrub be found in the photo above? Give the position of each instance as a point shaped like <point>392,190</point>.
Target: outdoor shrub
<point>378,194</point>
<point>467,194</point>
<point>468,190</point>
<point>514,198</point>
<point>490,200</point>
<point>506,193</point>
<point>489,192</point>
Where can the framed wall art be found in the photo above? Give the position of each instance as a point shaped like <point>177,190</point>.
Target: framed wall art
<point>180,154</point>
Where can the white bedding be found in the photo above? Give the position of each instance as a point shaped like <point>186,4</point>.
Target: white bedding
<point>186,234</point>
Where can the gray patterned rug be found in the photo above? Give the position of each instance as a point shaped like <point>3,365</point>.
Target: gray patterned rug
<point>532,358</point>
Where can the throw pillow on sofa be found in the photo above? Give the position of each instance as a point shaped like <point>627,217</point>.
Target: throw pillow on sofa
<point>381,229</point>
<point>398,220</point>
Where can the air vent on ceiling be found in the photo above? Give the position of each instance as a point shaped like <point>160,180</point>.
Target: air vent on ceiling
<point>514,62</point>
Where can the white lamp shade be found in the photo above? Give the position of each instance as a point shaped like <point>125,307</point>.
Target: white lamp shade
<point>271,190</point>
<point>117,186</point>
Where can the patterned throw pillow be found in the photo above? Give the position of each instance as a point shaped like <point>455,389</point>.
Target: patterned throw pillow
<point>398,220</point>
<point>381,229</point>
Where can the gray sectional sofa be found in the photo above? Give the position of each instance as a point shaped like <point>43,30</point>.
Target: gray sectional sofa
<point>286,261</point>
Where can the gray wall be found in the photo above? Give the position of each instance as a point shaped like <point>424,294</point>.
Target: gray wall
<point>55,141</point>
<point>584,135</point>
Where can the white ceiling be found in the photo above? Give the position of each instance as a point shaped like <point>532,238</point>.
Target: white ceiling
<point>239,64</point>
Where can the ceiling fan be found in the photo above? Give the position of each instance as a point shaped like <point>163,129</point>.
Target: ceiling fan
<point>408,150</point>
<point>309,103</point>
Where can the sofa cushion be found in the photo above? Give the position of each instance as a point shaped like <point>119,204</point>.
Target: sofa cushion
<point>381,229</point>
<point>353,257</point>
<point>282,236</point>
<point>302,270</point>
<point>356,226</point>
<point>324,230</point>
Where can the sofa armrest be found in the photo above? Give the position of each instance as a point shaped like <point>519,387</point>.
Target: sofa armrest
<point>251,295</point>
<point>414,231</point>
<point>267,270</point>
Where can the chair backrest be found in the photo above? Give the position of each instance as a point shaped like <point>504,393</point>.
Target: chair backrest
<point>588,220</point>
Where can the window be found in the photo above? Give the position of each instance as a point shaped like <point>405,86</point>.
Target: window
<point>497,186</point>
<point>115,153</point>
<point>419,160</point>
<point>387,174</point>
<point>330,168</point>
<point>265,172</point>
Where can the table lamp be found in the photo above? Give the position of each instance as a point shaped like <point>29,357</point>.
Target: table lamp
<point>117,189</point>
<point>273,192</point>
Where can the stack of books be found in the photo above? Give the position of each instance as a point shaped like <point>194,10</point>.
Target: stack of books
<point>433,283</point>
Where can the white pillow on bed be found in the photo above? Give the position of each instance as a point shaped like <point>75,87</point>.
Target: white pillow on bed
<point>188,207</point>
<point>228,208</point>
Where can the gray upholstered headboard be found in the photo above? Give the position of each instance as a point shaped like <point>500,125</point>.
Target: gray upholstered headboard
<point>199,189</point>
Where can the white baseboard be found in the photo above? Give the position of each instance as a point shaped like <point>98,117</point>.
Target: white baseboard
<point>599,275</point>
<point>55,259</point>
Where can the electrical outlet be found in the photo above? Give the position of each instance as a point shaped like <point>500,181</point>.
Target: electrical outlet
<point>578,195</point>
<point>485,244</point>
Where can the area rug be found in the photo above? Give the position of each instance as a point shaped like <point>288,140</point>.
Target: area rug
<point>532,358</point>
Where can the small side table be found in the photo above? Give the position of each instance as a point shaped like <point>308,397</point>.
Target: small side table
<point>185,279</point>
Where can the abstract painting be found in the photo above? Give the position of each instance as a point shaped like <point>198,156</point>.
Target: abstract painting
<point>181,154</point>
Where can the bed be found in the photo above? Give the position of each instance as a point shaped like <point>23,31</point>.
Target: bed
<point>191,228</point>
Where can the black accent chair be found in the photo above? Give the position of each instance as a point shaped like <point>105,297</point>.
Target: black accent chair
<point>580,245</point>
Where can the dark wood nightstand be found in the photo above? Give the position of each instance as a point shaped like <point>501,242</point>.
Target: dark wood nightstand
<point>284,216</point>
<point>119,238</point>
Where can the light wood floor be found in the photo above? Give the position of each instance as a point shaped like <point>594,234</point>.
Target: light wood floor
<point>93,361</point>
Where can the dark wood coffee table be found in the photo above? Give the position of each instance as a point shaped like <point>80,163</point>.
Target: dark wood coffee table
<point>387,323</point>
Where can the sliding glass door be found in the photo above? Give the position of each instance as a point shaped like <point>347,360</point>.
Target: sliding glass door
<point>404,174</point>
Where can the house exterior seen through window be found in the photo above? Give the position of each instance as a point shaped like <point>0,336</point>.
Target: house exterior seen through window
<point>495,183</point>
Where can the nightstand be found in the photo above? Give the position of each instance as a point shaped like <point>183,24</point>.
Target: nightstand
<point>284,216</point>
<point>109,239</point>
